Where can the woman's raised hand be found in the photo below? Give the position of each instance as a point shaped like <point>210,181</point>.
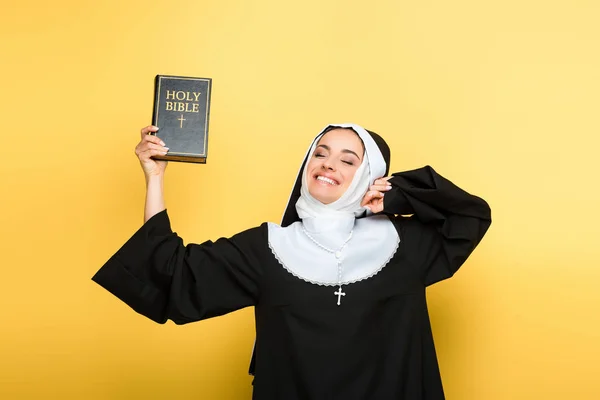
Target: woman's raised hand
<point>148,147</point>
<point>373,199</point>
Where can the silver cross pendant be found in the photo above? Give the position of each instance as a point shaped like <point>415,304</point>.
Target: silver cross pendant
<point>339,294</point>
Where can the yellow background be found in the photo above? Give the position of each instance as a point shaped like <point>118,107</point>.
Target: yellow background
<point>501,97</point>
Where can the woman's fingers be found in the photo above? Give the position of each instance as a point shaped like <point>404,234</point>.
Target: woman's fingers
<point>149,153</point>
<point>381,184</point>
<point>144,148</point>
<point>370,196</point>
<point>150,141</point>
<point>374,194</point>
<point>149,146</point>
<point>153,139</point>
<point>153,146</point>
<point>380,188</point>
<point>382,181</point>
<point>148,129</point>
<point>373,199</point>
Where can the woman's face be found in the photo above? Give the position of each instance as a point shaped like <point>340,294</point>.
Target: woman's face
<point>333,164</point>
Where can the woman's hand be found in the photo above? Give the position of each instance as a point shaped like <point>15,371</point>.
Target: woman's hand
<point>149,146</point>
<point>373,199</point>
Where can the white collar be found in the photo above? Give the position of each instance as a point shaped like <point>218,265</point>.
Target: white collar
<point>304,259</point>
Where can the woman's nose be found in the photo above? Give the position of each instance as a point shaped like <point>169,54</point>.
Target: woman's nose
<point>328,165</point>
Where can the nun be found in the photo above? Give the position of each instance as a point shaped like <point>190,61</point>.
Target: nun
<point>338,288</point>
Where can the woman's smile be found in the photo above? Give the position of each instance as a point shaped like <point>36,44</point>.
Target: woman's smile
<point>326,181</point>
<point>333,164</point>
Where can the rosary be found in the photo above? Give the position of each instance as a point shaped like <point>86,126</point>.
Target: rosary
<point>338,256</point>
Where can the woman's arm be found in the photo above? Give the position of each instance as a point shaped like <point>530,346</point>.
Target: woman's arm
<point>446,222</point>
<point>161,278</point>
<point>154,171</point>
<point>155,198</point>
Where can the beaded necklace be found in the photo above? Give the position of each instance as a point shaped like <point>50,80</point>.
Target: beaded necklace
<point>338,256</point>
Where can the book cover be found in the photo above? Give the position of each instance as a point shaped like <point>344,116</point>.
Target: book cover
<point>181,112</point>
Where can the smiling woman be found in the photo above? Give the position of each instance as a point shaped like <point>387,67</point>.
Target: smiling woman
<point>338,155</point>
<point>338,287</point>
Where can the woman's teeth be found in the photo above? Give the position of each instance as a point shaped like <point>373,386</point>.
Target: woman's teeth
<point>324,179</point>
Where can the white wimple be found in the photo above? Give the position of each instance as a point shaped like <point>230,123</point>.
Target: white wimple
<point>327,226</point>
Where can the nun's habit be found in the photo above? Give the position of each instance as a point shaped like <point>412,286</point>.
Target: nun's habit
<point>339,293</point>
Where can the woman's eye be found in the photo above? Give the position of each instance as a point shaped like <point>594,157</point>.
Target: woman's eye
<point>319,155</point>
<point>348,162</point>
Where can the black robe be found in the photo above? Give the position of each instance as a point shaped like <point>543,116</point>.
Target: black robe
<point>377,344</point>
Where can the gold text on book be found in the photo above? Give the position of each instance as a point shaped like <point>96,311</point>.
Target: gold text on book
<point>187,101</point>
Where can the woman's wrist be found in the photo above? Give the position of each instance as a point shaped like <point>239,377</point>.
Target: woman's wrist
<point>155,201</point>
<point>154,179</point>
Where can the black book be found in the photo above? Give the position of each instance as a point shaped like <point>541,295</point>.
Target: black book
<point>181,111</point>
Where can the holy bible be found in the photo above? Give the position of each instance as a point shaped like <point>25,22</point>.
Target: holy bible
<point>181,111</point>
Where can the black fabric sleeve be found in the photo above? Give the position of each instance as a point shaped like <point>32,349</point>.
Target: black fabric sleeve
<point>446,225</point>
<point>160,277</point>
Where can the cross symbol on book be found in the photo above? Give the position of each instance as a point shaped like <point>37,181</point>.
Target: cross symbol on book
<point>181,119</point>
<point>339,294</point>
